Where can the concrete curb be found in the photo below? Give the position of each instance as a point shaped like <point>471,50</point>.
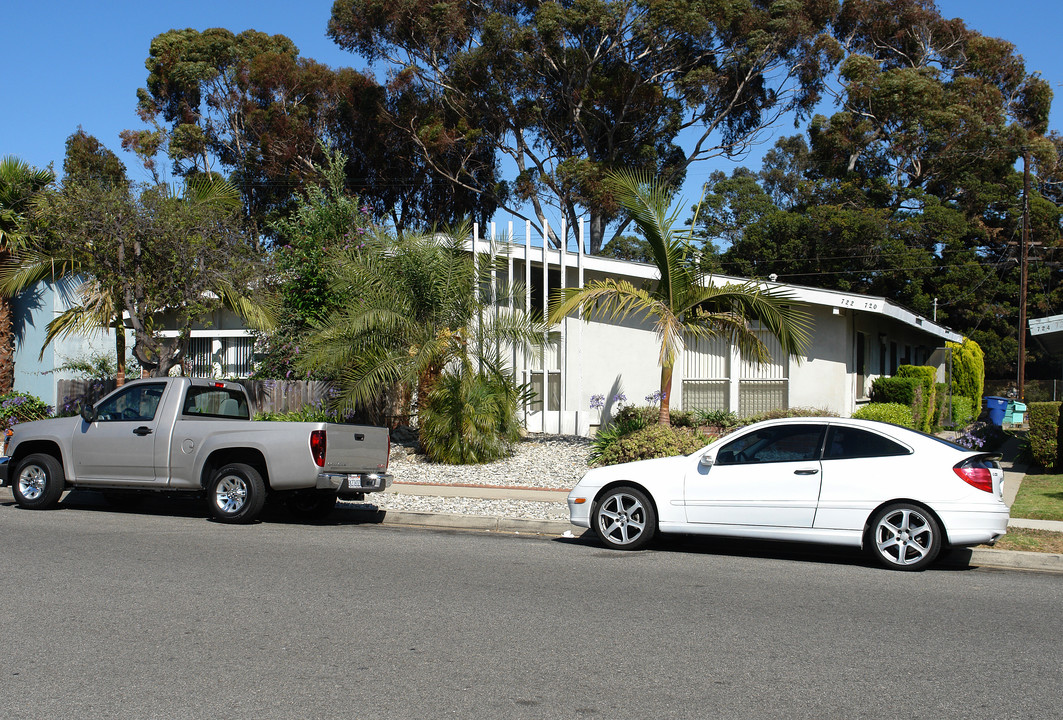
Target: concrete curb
<point>447,521</point>
<point>960,557</point>
<point>1006,559</point>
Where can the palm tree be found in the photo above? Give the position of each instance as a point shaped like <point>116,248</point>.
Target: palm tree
<point>683,303</point>
<point>18,184</point>
<point>413,310</point>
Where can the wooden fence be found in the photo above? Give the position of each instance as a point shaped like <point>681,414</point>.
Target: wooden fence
<point>266,395</point>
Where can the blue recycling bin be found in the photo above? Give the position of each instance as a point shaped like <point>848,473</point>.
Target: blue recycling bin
<point>997,407</point>
<point>1017,412</point>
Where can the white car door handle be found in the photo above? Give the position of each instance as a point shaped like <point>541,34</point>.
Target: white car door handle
<point>811,471</point>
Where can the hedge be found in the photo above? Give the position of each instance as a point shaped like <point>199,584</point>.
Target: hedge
<point>968,370</point>
<point>894,390</point>
<point>1044,433</point>
<point>896,413</point>
<point>923,407</point>
<point>962,411</point>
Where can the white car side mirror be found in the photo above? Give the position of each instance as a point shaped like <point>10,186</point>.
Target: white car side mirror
<point>706,460</point>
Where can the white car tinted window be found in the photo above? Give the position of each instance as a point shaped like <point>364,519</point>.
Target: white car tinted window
<point>847,442</point>
<point>779,443</point>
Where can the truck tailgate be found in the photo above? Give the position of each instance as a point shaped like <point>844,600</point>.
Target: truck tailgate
<point>356,448</point>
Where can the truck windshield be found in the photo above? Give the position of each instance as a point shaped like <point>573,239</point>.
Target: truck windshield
<point>215,402</point>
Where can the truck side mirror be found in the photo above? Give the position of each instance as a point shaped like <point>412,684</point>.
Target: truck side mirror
<point>706,460</point>
<point>88,413</point>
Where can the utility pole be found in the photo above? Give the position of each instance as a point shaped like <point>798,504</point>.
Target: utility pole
<point>1025,254</point>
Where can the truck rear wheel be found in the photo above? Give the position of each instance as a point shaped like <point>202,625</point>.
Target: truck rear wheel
<point>236,494</point>
<point>38,482</point>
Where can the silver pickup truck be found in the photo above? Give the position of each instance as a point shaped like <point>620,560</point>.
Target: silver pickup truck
<point>194,436</point>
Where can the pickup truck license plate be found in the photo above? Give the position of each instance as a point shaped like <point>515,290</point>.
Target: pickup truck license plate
<point>354,482</point>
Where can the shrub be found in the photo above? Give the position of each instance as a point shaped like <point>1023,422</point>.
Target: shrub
<point>682,418</point>
<point>635,417</point>
<point>962,411</point>
<point>968,370</point>
<point>627,420</point>
<point>654,441</point>
<point>788,413</point>
<point>1044,433</point>
<point>470,417</point>
<point>924,401</point>
<point>17,407</point>
<point>307,413</point>
<point>894,390</point>
<point>896,413</point>
<point>982,436</point>
<point>940,405</point>
<point>718,418</point>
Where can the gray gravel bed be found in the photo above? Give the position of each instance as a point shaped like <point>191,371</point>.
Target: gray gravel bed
<point>556,462</point>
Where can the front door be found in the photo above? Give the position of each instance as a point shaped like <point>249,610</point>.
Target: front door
<point>770,476</point>
<point>120,445</point>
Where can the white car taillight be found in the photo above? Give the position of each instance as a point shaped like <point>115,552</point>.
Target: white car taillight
<point>975,474</point>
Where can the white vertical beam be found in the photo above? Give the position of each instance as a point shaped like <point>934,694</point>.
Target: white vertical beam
<point>509,290</point>
<point>546,291</point>
<point>527,303</point>
<point>563,340</point>
<point>579,329</point>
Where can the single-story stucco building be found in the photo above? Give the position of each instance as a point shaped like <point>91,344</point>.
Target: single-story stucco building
<point>855,338</point>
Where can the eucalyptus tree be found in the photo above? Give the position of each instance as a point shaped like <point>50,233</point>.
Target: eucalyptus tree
<point>683,303</point>
<point>568,91</point>
<point>250,105</point>
<point>19,183</point>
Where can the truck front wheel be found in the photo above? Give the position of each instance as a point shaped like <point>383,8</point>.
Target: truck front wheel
<point>38,482</point>
<point>236,494</point>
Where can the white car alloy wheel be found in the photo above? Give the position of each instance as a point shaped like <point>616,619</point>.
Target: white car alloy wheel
<point>624,519</point>
<point>905,537</point>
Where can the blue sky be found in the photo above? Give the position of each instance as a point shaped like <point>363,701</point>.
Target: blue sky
<point>67,64</point>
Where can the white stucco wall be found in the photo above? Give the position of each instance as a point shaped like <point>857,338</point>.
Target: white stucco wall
<point>33,311</point>
<point>821,379</point>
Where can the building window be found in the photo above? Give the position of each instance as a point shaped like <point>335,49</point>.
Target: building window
<point>220,357</point>
<point>764,387</point>
<point>706,369</point>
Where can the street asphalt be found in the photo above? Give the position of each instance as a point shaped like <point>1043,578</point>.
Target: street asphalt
<point>1014,473</point>
<point>962,557</point>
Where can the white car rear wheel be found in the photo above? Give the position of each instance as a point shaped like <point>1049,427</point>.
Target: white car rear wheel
<point>905,537</point>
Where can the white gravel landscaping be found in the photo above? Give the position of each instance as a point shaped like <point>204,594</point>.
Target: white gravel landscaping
<point>539,462</point>
<point>552,462</point>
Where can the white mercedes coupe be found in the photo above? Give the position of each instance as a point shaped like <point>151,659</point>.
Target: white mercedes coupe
<point>902,495</point>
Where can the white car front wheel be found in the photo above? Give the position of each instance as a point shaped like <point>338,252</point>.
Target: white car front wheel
<point>624,518</point>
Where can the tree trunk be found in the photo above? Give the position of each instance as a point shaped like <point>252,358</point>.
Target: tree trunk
<point>7,347</point>
<point>119,351</point>
<point>597,230</point>
<point>665,417</point>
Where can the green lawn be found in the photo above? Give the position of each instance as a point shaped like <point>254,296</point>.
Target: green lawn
<point>1040,498</point>
<point>1029,540</point>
